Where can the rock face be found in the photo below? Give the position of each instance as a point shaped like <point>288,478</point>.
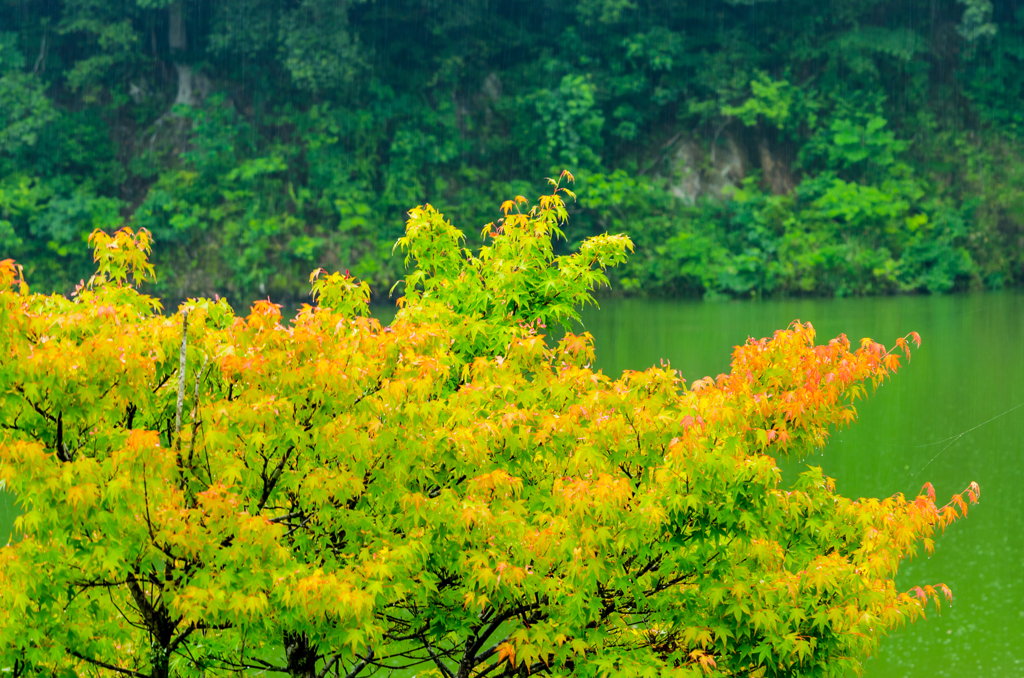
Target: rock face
<point>699,166</point>
<point>706,167</point>
<point>193,87</point>
<point>774,168</point>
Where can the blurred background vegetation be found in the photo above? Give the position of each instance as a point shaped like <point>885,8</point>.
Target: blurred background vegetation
<point>749,147</point>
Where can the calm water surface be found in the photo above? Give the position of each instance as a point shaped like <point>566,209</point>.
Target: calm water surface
<point>947,418</point>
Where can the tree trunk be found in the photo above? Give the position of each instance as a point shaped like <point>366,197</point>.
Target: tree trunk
<point>301,655</point>
<point>161,663</point>
<point>160,625</point>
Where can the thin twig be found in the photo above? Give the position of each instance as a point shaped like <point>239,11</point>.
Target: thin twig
<point>286,517</point>
<point>360,665</point>
<point>195,416</point>
<point>181,378</point>
<point>437,660</point>
<point>118,669</point>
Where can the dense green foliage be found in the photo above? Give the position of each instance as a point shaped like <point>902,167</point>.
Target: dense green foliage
<point>751,147</point>
<point>452,495</point>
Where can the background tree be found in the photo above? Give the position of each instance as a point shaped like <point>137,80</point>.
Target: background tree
<point>752,148</point>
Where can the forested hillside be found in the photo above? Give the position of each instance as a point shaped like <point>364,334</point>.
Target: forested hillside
<point>748,147</point>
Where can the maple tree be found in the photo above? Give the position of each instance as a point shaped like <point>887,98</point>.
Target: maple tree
<point>451,494</point>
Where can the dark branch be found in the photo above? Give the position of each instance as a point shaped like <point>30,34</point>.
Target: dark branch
<point>494,626</point>
<point>484,656</point>
<point>269,483</point>
<point>286,517</point>
<point>111,667</point>
<point>327,667</point>
<point>359,666</point>
<point>437,660</point>
<point>259,665</point>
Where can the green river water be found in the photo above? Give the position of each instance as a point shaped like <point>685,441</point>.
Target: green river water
<point>948,417</point>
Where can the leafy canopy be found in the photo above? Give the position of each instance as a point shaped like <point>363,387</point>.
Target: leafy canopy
<point>453,494</point>
<point>259,139</point>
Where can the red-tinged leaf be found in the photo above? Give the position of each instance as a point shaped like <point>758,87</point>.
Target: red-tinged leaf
<point>892,362</point>
<point>946,516</point>
<point>958,501</point>
<point>507,652</point>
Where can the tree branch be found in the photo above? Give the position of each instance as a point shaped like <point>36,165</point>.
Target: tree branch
<point>286,517</point>
<point>259,665</point>
<point>437,660</point>
<point>490,668</point>
<point>359,666</point>
<point>111,667</point>
<point>194,626</point>
<point>327,667</point>
<point>181,379</point>
<point>270,483</point>
<point>494,626</point>
<point>491,651</point>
